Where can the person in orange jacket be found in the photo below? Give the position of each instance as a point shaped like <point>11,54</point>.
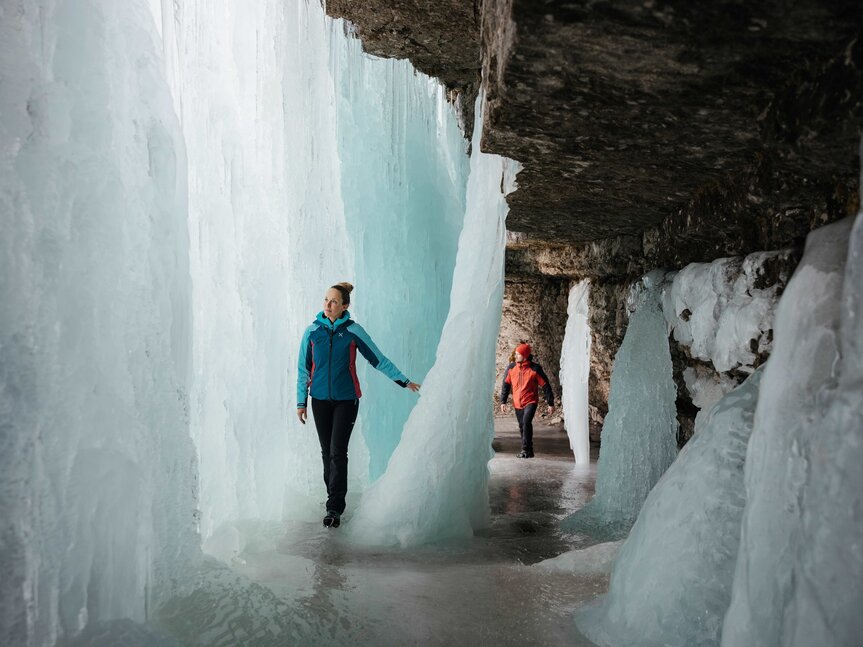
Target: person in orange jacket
<point>524,378</point>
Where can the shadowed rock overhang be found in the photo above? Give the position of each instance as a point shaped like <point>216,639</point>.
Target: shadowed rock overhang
<point>662,121</point>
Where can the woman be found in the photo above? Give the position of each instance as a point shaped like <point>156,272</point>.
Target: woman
<point>327,372</point>
<point>523,377</point>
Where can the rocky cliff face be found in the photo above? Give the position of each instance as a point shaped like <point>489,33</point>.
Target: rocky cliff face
<point>653,134</point>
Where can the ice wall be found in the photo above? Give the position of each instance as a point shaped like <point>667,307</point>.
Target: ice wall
<point>143,312</point>
<point>404,169</point>
<point>575,372</point>
<point>799,570</point>
<point>640,430</point>
<point>436,483</point>
<point>825,608</point>
<point>97,468</point>
<point>256,99</point>
<point>310,163</point>
<point>671,582</point>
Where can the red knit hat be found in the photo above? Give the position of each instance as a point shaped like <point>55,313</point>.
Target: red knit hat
<point>524,350</point>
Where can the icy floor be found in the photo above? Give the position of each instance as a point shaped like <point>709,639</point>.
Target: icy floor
<point>303,584</point>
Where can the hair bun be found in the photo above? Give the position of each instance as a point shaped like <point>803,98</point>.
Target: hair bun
<point>347,286</point>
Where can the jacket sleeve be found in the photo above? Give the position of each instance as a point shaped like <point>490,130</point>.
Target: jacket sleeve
<point>542,379</point>
<point>304,369</point>
<point>506,385</point>
<point>375,357</point>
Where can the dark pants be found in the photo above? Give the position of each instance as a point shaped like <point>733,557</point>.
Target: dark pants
<point>525,426</point>
<point>334,420</point>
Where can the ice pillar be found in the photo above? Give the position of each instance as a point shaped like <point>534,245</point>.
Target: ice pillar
<point>575,372</point>
<point>671,581</point>
<point>802,476</point>
<point>436,483</point>
<point>97,468</point>
<point>640,430</point>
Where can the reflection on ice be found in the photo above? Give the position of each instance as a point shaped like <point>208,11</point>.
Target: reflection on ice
<point>299,583</point>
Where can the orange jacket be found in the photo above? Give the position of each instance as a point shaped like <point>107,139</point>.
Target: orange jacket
<point>524,380</point>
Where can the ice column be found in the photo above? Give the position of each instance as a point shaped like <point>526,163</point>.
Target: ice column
<point>436,484</point>
<point>799,570</point>
<point>257,105</point>
<point>575,372</point>
<point>640,430</point>
<point>97,488</point>
<point>826,605</point>
<point>671,581</point>
<point>404,169</point>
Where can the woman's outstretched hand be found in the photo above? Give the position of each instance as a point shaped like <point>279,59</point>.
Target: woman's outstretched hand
<point>413,386</point>
<point>301,414</point>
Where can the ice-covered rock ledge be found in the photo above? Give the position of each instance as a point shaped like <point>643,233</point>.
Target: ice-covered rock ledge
<point>720,316</point>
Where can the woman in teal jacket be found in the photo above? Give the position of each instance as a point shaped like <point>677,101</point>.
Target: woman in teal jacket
<point>327,372</point>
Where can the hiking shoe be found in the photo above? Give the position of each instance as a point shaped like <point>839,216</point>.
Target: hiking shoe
<point>523,454</point>
<point>529,453</point>
<point>333,519</point>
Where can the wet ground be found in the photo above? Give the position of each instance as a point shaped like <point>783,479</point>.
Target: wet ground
<point>302,584</point>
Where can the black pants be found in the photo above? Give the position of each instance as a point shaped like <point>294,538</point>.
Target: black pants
<point>334,420</point>
<point>525,426</point>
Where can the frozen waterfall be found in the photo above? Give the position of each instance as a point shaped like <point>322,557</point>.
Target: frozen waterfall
<point>639,437</point>
<point>436,485</point>
<point>575,372</point>
<point>180,185</point>
<point>310,163</point>
<point>98,486</point>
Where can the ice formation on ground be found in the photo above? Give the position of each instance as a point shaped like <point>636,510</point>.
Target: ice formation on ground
<point>97,469</point>
<point>596,559</point>
<point>671,582</point>
<point>436,484</point>
<point>575,371</point>
<point>798,576</point>
<point>640,430</point>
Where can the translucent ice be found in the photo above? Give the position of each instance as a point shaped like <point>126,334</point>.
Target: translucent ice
<point>97,468</point>
<point>640,430</point>
<point>575,371</point>
<point>257,106</point>
<point>594,559</point>
<point>802,513</point>
<point>436,484</point>
<point>156,274</point>
<point>310,163</point>
<point>671,583</point>
<point>825,609</point>
<point>404,168</point>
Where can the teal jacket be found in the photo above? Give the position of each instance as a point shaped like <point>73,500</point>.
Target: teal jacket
<point>327,365</point>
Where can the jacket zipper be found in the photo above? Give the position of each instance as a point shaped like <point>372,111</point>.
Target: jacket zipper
<point>330,364</point>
